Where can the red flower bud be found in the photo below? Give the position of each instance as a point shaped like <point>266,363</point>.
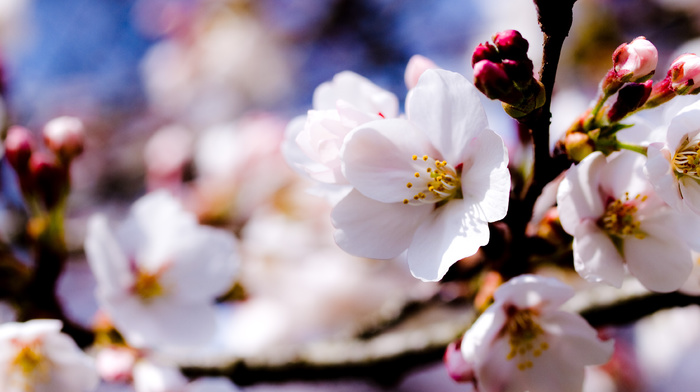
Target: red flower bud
<point>485,51</point>
<point>492,80</point>
<point>629,98</point>
<point>511,45</point>
<point>18,148</point>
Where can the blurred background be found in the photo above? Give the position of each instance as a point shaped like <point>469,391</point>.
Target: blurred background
<point>194,96</point>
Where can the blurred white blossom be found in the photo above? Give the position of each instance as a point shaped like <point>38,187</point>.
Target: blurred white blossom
<point>159,272</point>
<point>36,357</point>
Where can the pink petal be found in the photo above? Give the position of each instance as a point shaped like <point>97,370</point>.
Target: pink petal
<point>415,68</point>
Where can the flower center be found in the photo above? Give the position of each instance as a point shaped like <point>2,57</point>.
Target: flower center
<point>434,181</point>
<point>526,338</point>
<point>619,219</point>
<point>146,285</point>
<point>31,364</point>
<point>685,160</point>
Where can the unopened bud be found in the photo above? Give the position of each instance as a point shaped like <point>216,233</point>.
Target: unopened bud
<point>637,59</point>
<point>65,136</point>
<point>18,148</point>
<point>492,80</point>
<point>511,45</point>
<point>485,51</point>
<point>629,98</point>
<point>50,178</point>
<point>415,68</point>
<point>578,146</point>
<point>633,62</point>
<point>685,73</point>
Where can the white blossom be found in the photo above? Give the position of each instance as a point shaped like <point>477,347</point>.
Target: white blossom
<point>428,184</point>
<point>160,271</point>
<point>618,222</point>
<point>36,357</point>
<point>674,166</point>
<point>523,342</point>
<point>339,106</point>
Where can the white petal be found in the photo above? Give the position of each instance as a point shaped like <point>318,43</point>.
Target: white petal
<point>479,337</point>
<point>661,264</point>
<point>377,158</point>
<point>624,173</point>
<point>451,233</point>
<point>447,107</point>
<point>359,92</point>
<point>162,322</point>
<point>596,258</point>
<point>293,154</point>
<point>204,265</point>
<point>149,377</point>
<point>485,175</point>
<point>579,343</point>
<point>494,372</point>
<point>578,197</point>
<point>690,191</point>
<point>684,123</point>
<point>105,256</point>
<point>659,172</point>
<point>368,228</point>
<point>530,291</point>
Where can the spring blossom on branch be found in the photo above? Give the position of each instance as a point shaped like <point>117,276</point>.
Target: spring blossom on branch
<point>429,183</point>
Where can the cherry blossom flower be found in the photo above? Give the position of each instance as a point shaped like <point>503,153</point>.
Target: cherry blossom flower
<point>160,271</point>
<point>339,106</point>
<point>36,357</point>
<point>618,221</point>
<point>673,167</point>
<point>523,342</point>
<point>428,184</point>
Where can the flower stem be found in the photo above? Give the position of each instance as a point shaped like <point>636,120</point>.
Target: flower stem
<point>632,147</point>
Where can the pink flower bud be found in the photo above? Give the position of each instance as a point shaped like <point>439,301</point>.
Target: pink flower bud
<point>18,148</point>
<point>684,73</point>
<point>415,68</point>
<point>485,51</point>
<point>492,80</point>
<point>511,45</point>
<point>65,136</point>
<point>636,61</point>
